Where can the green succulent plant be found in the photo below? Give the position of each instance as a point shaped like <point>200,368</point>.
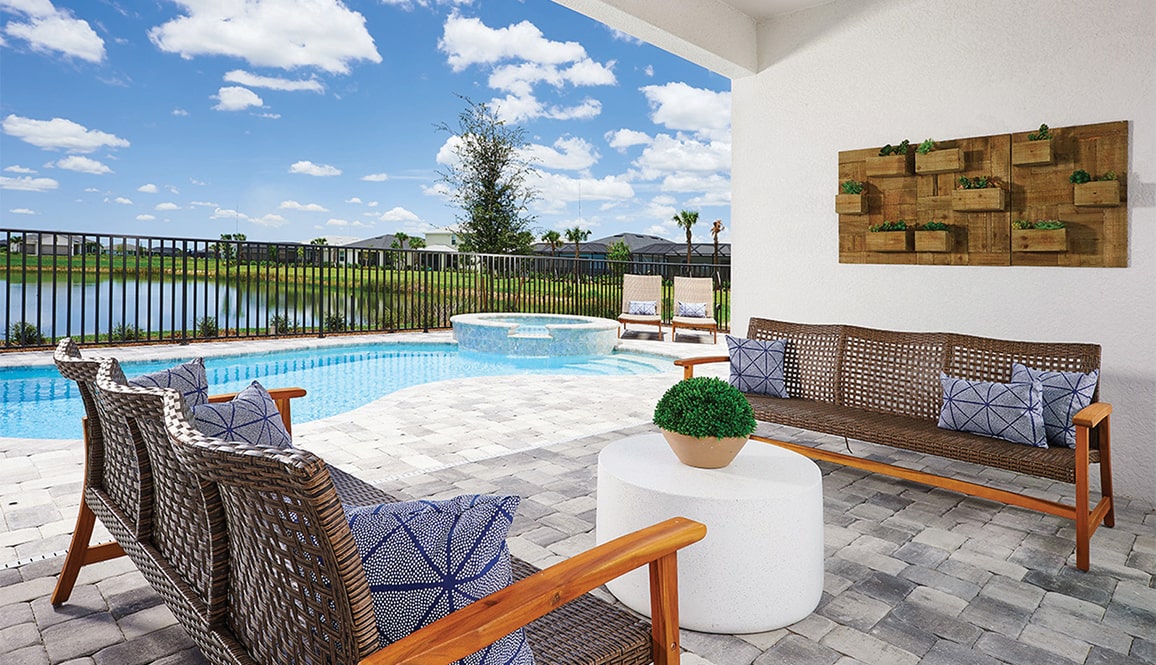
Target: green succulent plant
<point>900,149</point>
<point>1108,175</point>
<point>1080,176</point>
<point>705,406</point>
<point>852,187</point>
<point>898,225</point>
<point>1042,135</point>
<point>926,147</point>
<point>978,182</point>
<point>933,226</point>
<point>1039,225</point>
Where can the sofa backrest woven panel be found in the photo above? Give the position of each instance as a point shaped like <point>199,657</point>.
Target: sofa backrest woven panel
<point>179,522</point>
<point>285,529</point>
<point>898,372</point>
<point>118,465</point>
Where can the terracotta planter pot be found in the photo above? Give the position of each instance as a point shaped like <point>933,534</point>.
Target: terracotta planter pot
<point>705,453</point>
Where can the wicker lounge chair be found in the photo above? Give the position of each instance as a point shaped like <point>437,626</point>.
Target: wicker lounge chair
<point>641,288</point>
<point>109,473</point>
<point>694,290</point>
<point>249,548</point>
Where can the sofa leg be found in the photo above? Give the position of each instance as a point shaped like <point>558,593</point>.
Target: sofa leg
<point>1104,438</point>
<point>1083,517</point>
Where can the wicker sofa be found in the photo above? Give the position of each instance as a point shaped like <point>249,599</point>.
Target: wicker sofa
<point>883,387</point>
<point>249,548</point>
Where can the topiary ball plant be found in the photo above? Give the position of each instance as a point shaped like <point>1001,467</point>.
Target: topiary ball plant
<point>705,407</point>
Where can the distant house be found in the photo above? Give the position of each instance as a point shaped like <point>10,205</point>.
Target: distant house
<point>644,249</point>
<point>48,244</point>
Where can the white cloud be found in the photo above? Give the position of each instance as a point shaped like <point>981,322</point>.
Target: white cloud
<point>19,169</point>
<point>557,190</point>
<point>437,189</point>
<point>372,204</point>
<point>399,214</point>
<point>180,112</point>
<point>168,205</point>
<point>145,218</point>
<point>172,189</point>
<point>48,29</point>
<point>679,106</point>
<point>252,80</point>
<point>148,188</point>
<point>202,204</point>
<point>304,207</point>
<point>448,153</point>
<point>60,134</point>
<point>519,109</point>
<point>270,220</point>
<point>375,177</point>
<point>82,165</point>
<point>346,223</point>
<point>306,167</point>
<point>28,184</point>
<point>22,211</point>
<point>410,4</point>
<point>236,98</point>
<point>199,183</point>
<point>622,139</point>
<point>520,79</point>
<point>288,34</point>
<point>122,200</point>
<point>271,116</point>
<point>568,153</point>
<point>668,154</point>
<point>353,200</point>
<point>468,41</point>
<point>649,70</point>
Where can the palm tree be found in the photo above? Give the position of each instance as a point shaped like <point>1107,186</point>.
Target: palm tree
<point>576,235</point>
<point>553,239</point>
<point>399,240</point>
<point>686,219</point>
<point>716,229</point>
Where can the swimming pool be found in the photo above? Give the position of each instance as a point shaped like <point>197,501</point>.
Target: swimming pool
<point>39,404</point>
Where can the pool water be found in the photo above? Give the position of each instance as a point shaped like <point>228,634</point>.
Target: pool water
<point>40,404</point>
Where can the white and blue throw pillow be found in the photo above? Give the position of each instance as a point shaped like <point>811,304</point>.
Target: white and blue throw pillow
<point>643,307</point>
<point>426,559</point>
<point>757,366</point>
<point>692,310</point>
<point>250,417</point>
<point>1064,394</point>
<point>1010,411</point>
<point>188,379</point>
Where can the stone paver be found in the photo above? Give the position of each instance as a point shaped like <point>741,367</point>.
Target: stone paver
<point>913,574</point>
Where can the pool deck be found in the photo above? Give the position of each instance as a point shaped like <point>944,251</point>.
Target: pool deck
<point>913,574</point>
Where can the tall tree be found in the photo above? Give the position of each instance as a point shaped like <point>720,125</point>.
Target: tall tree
<point>553,240</point>
<point>686,219</point>
<point>716,229</point>
<point>489,182</point>
<point>399,240</point>
<point>576,235</point>
<point>416,243</point>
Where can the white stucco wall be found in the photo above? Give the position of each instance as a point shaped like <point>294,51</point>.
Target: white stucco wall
<point>854,74</point>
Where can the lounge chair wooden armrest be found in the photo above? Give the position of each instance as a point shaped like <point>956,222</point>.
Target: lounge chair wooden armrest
<point>481,623</point>
<point>281,397</point>
<point>688,364</point>
<point>1092,415</point>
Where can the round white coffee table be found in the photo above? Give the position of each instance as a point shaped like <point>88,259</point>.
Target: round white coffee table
<point>760,566</point>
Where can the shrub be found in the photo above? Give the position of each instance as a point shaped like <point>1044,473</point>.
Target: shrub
<point>705,407</point>
<point>207,327</point>
<point>126,333</point>
<point>23,333</point>
<point>335,323</point>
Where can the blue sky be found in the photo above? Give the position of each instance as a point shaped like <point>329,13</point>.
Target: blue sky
<point>292,119</point>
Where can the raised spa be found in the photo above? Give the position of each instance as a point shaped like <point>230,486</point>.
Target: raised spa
<point>535,335</point>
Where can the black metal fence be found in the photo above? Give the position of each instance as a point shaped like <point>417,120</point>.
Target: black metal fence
<point>102,288</point>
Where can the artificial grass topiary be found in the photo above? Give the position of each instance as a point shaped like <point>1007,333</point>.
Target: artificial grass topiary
<point>705,407</point>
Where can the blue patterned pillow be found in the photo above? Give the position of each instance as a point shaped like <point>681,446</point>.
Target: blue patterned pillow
<point>1065,393</point>
<point>1010,411</point>
<point>757,366</point>
<point>692,310</point>
<point>250,417</point>
<point>642,307</point>
<point>188,379</point>
<point>426,559</point>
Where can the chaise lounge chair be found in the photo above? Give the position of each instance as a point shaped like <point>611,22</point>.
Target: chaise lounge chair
<point>641,301</point>
<point>249,548</point>
<point>693,306</point>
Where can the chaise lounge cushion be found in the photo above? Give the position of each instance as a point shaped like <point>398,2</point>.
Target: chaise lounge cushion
<point>1009,411</point>
<point>757,366</point>
<point>189,379</point>
<point>426,559</point>
<point>250,417</point>
<point>1064,394</point>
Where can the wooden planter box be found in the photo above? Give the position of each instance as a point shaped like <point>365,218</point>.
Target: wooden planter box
<point>1036,240</point>
<point>933,241</point>
<point>979,200</point>
<point>939,161</point>
<point>888,241</point>
<point>850,204</point>
<point>889,166</point>
<point>1100,194</point>
<point>1031,153</point>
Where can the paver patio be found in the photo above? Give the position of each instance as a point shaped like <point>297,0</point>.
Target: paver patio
<point>913,574</point>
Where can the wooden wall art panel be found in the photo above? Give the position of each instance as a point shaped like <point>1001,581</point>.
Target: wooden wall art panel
<point>1033,181</point>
